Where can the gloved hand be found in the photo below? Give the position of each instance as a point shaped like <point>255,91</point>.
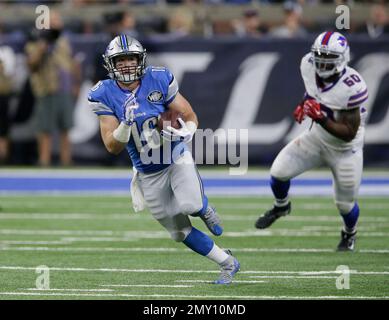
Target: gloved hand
<point>129,106</point>
<point>298,113</point>
<point>313,110</point>
<point>183,134</point>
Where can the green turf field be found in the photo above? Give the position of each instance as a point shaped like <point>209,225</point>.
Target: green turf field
<point>97,248</point>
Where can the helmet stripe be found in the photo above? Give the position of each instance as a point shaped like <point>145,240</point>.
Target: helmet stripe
<point>124,42</point>
<point>326,38</point>
<point>121,41</point>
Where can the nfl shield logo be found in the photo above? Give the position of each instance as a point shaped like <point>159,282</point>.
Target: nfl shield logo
<point>155,96</point>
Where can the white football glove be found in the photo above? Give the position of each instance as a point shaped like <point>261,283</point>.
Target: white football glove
<point>129,106</point>
<point>183,134</point>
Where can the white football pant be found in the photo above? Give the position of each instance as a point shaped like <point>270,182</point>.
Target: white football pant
<point>307,152</point>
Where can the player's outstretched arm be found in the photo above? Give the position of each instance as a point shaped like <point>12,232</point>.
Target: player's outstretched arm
<point>108,125</point>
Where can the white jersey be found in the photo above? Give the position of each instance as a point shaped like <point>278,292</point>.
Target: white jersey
<point>346,93</point>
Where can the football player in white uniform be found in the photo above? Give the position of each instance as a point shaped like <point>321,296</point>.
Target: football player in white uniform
<point>334,98</point>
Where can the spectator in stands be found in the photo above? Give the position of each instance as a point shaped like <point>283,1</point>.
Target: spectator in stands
<point>378,24</point>
<point>7,66</point>
<point>291,27</point>
<point>180,24</point>
<point>120,22</point>
<point>250,25</point>
<point>115,23</point>
<point>53,73</point>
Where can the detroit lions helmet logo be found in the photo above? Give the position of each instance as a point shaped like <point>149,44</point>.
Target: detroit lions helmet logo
<point>155,96</point>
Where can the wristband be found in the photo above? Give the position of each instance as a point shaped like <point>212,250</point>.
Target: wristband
<point>122,133</point>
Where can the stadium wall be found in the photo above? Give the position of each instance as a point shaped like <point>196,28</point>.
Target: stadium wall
<point>234,83</point>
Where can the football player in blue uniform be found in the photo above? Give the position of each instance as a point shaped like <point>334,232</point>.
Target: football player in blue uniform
<point>165,179</point>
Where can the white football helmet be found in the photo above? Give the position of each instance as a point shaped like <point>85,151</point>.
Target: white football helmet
<point>124,45</point>
<point>331,53</point>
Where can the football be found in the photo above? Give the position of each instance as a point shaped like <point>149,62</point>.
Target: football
<point>169,118</point>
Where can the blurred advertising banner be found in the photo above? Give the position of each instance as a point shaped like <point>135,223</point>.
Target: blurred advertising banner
<point>239,84</point>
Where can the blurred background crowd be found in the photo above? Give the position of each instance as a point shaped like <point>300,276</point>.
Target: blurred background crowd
<point>206,18</point>
<point>54,71</point>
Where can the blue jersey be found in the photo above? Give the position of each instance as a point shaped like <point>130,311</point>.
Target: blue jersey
<point>158,87</point>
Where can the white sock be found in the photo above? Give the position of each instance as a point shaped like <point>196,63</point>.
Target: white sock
<point>216,254</point>
<point>348,230</point>
<point>281,202</point>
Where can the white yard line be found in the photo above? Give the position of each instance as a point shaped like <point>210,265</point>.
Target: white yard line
<point>293,277</point>
<point>113,270</point>
<point>210,281</point>
<point>140,249</point>
<point>146,216</point>
<point>46,232</point>
<point>13,242</point>
<point>64,216</point>
<point>294,233</point>
<point>146,286</point>
<point>174,296</point>
<point>108,235</point>
<point>67,289</point>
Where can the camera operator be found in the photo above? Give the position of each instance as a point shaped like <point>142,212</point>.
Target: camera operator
<point>54,81</point>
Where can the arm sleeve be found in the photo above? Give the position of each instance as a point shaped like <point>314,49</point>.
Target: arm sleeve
<point>97,102</point>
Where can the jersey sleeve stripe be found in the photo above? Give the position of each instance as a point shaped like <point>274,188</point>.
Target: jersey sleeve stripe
<point>172,91</point>
<point>98,107</point>
<point>356,96</point>
<point>104,113</point>
<point>355,103</point>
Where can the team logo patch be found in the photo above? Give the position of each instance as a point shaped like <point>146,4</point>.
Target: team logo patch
<point>342,41</point>
<point>155,96</point>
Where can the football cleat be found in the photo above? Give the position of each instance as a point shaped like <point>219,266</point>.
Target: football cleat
<point>272,215</point>
<point>228,269</point>
<point>347,241</point>
<point>212,221</point>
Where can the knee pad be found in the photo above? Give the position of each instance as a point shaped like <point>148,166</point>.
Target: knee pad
<point>275,172</point>
<point>279,172</point>
<point>189,208</point>
<point>344,207</point>
<point>180,235</point>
